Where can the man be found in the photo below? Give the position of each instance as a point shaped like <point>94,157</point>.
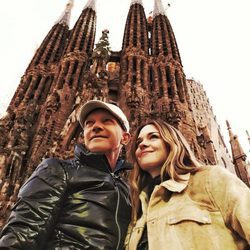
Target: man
<point>80,203</point>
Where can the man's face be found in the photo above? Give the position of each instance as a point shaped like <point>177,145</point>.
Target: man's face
<point>102,132</point>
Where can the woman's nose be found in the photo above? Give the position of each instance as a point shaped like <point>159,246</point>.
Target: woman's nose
<point>143,144</point>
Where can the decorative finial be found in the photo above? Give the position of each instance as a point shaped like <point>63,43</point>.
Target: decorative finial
<point>248,137</point>
<point>91,4</point>
<point>136,1</point>
<point>65,17</point>
<point>231,134</point>
<point>248,134</point>
<point>159,8</point>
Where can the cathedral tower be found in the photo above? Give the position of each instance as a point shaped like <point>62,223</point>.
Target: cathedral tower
<point>135,64</point>
<point>67,84</point>
<point>18,128</point>
<point>44,99</point>
<point>152,77</point>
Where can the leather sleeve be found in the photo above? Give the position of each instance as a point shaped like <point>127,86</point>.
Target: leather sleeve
<point>232,197</point>
<point>35,212</point>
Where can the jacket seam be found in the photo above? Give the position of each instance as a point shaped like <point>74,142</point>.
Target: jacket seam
<point>209,184</point>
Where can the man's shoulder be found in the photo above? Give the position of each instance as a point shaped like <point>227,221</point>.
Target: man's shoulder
<point>55,162</point>
<point>49,175</point>
<point>53,166</point>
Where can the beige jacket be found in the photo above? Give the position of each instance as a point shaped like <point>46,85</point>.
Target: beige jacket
<point>208,210</point>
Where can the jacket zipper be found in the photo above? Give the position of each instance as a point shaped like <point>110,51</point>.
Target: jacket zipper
<point>116,212</point>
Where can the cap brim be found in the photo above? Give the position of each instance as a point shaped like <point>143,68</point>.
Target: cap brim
<point>93,105</point>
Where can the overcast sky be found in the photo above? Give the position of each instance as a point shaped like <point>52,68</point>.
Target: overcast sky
<point>213,39</point>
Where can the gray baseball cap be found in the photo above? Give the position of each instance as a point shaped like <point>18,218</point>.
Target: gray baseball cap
<point>114,110</point>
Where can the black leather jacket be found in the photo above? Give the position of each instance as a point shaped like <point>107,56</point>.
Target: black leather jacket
<point>73,204</point>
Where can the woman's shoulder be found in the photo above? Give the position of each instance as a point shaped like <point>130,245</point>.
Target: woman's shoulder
<point>213,170</point>
<point>217,175</point>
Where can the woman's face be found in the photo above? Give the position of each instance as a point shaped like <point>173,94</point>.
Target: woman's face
<point>151,151</point>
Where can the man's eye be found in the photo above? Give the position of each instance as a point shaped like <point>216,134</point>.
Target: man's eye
<point>88,123</point>
<point>107,120</point>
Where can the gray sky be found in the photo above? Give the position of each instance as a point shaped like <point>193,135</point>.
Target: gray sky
<point>213,38</point>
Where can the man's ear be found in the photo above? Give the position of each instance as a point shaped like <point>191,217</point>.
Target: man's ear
<point>125,138</point>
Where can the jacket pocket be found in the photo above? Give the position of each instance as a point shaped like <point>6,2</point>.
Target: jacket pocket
<point>189,213</point>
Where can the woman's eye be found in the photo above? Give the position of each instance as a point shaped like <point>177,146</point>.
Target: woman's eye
<point>153,136</point>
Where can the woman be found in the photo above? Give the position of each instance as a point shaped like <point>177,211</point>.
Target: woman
<point>180,204</point>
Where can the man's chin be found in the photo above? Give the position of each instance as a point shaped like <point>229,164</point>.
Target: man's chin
<point>97,149</point>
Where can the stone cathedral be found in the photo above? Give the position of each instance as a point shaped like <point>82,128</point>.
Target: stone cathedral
<point>145,78</point>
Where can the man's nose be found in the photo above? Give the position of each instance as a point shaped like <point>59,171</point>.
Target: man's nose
<point>97,127</point>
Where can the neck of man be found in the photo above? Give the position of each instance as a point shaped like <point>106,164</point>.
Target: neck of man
<point>112,158</point>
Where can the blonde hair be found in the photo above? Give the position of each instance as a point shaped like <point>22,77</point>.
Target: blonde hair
<point>180,160</point>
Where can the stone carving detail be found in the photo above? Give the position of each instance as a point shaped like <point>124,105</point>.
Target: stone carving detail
<point>174,116</point>
<point>133,100</point>
<point>201,140</point>
<point>53,103</point>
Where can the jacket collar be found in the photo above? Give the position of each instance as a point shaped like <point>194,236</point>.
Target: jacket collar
<point>176,186</point>
<point>171,185</point>
<point>98,160</point>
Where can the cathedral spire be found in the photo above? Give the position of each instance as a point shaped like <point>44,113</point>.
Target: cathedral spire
<point>239,157</point>
<point>91,4</point>
<point>231,135</point>
<point>158,8</point>
<point>65,17</point>
<point>237,150</point>
<point>136,1</point>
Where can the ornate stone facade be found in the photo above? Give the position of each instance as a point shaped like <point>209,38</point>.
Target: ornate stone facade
<point>145,79</point>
